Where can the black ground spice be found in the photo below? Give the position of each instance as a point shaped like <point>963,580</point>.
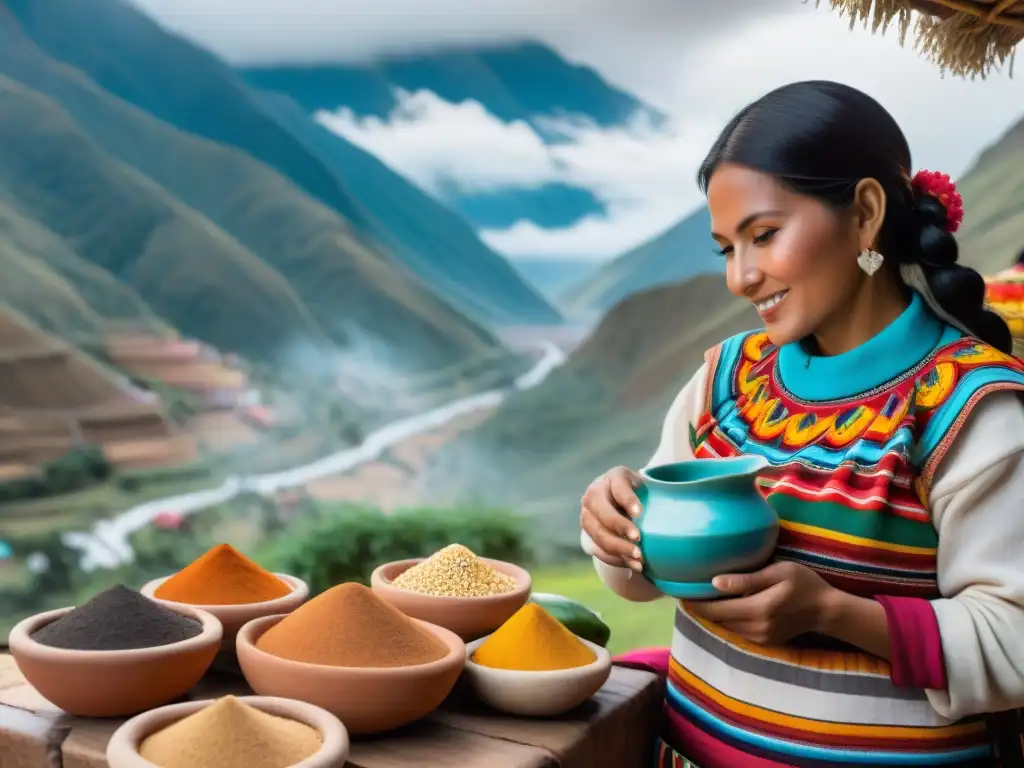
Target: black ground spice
<point>117,619</point>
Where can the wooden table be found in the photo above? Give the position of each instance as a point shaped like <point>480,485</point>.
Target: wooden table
<point>614,730</point>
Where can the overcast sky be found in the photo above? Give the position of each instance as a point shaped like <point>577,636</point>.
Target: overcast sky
<point>698,60</point>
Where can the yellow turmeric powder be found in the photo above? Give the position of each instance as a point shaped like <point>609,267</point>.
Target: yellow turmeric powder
<point>533,640</point>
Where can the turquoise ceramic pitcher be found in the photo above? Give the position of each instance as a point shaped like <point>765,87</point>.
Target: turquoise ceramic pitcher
<point>703,518</point>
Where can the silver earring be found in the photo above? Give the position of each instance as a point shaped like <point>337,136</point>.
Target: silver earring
<point>870,261</point>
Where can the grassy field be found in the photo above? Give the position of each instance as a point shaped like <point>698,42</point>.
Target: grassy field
<point>80,509</point>
<point>633,625</point>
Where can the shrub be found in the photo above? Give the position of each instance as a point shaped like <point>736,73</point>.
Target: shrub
<point>78,468</point>
<point>62,572</point>
<point>350,541</point>
<point>135,480</point>
<point>158,552</point>
<point>22,488</point>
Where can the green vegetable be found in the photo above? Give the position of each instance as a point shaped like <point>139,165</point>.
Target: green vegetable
<point>577,618</point>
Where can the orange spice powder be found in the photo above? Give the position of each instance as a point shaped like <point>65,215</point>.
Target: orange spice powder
<point>222,576</point>
<point>350,626</point>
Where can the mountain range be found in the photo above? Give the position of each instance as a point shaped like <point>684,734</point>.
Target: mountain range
<point>605,405</point>
<point>526,83</point>
<point>683,250</point>
<point>525,86</point>
<point>142,179</point>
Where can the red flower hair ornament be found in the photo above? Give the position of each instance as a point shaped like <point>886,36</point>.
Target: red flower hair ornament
<point>942,188</point>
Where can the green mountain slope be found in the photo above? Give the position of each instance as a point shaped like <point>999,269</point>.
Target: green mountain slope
<point>307,243</point>
<point>992,233</point>
<point>133,58</point>
<point>684,250</point>
<point>35,290</point>
<point>47,281</point>
<point>435,242</point>
<point>186,269</point>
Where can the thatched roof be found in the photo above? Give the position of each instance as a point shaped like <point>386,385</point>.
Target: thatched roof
<point>964,37</point>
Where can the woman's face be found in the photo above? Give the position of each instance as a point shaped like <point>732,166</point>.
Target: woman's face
<point>793,257</point>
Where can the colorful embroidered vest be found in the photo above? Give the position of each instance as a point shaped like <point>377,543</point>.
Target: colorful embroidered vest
<point>850,479</point>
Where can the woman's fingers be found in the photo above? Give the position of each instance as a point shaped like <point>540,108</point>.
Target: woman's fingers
<point>607,540</point>
<point>593,529</point>
<point>622,485</point>
<point>610,516</point>
<point>614,535</point>
<point>613,560</point>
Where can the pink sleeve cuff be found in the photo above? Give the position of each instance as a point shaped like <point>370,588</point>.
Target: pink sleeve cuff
<point>915,646</point>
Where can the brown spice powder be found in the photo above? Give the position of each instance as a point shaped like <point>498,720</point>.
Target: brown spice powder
<point>231,734</point>
<point>350,626</point>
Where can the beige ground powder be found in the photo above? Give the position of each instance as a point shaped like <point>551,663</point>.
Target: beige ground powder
<point>455,572</point>
<point>231,734</point>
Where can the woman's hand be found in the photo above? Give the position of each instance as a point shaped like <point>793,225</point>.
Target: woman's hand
<point>608,507</point>
<point>773,606</point>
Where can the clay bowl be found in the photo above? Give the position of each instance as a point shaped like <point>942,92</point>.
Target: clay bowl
<point>123,747</point>
<point>468,617</point>
<point>114,683</point>
<point>366,700</point>
<point>234,617</point>
<point>537,694</point>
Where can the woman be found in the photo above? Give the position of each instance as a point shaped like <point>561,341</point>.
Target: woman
<point>889,627</point>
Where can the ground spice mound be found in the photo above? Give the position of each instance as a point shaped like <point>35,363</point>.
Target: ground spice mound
<point>533,640</point>
<point>454,572</point>
<point>222,576</point>
<point>349,626</point>
<point>117,619</point>
<point>231,734</point>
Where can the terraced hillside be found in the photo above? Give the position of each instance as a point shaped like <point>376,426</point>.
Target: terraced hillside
<point>53,398</point>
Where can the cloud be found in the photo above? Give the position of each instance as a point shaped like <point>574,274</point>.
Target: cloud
<point>271,31</point>
<point>650,47</point>
<point>592,237</point>
<point>441,145</point>
<point>642,175</point>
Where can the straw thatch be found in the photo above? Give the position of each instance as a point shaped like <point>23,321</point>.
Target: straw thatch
<point>964,37</point>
